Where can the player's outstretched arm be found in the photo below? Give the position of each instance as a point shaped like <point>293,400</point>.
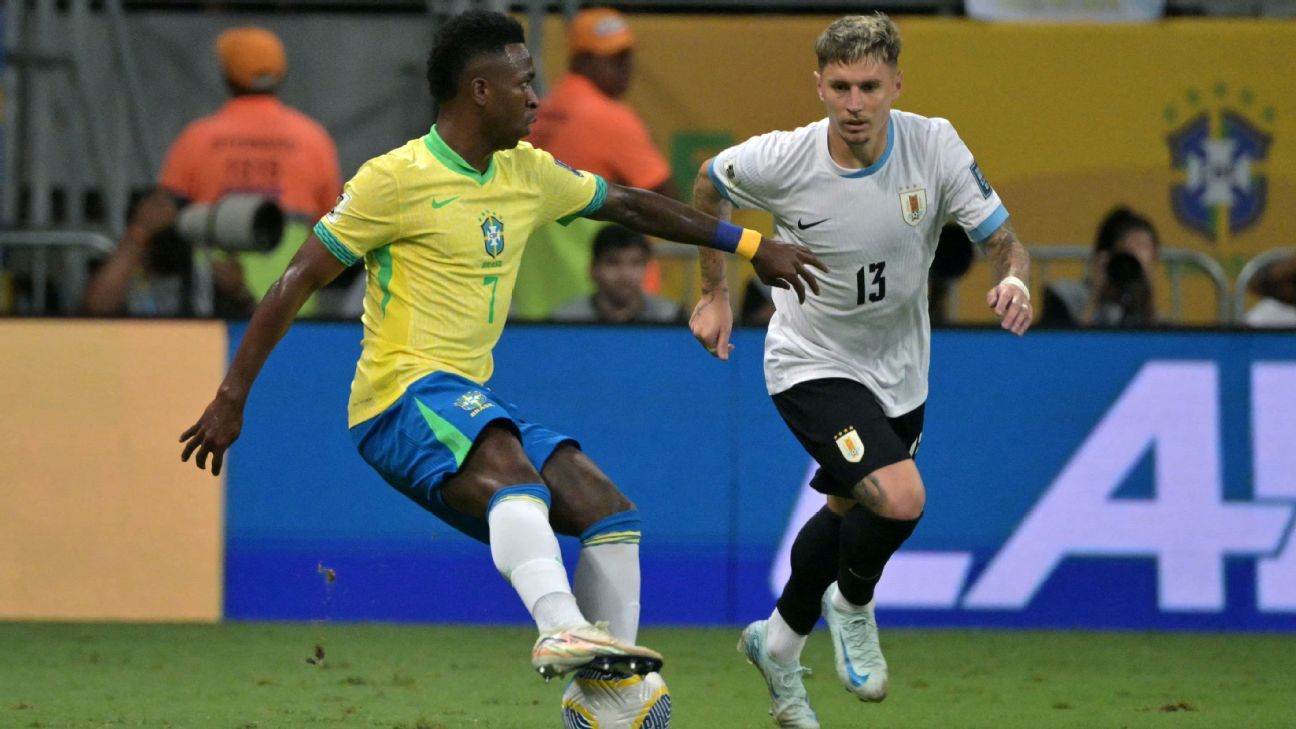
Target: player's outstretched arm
<point>220,424</point>
<point>776,263</point>
<point>1010,298</point>
<point>712,318</point>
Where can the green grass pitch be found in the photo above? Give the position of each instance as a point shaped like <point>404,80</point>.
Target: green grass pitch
<point>270,676</point>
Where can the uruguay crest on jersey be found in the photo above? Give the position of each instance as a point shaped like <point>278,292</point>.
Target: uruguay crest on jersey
<point>852,448</point>
<point>913,205</point>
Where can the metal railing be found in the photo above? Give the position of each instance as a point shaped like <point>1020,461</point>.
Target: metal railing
<point>72,247</point>
<point>1248,272</point>
<point>1175,260</point>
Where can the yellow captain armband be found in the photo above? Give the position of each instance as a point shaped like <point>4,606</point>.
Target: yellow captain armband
<point>732,239</point>
<point>748,243</point>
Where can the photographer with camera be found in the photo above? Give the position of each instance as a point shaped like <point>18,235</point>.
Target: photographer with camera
<point>150,273</point>
<point>1118,290</point>
<point>257,144</point>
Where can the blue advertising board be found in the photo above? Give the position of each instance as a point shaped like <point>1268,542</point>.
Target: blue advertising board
<point>1091,479</point>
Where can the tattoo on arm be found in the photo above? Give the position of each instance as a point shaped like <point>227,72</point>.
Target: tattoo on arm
<point>869,493</point>
<point>707,199</point>
<point>1007,255</point>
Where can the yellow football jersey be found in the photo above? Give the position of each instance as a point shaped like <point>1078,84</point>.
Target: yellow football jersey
<point>441,244</point>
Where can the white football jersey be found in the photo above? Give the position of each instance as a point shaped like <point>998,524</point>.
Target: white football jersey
<point>876,229</point>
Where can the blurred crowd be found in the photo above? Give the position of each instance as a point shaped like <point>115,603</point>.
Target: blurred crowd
<point>256,145</point>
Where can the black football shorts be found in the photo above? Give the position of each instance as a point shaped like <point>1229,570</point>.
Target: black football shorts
<point>841,425</point>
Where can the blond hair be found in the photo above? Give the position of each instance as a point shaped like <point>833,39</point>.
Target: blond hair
<point>855,37</point>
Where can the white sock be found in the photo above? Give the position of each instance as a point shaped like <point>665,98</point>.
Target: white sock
<point>841,603</point>
<point>525,551</point>
<point>557,611</point>
<point>607,587</point>
<point>784,643</point>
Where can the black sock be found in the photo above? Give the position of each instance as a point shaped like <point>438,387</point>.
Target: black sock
<point>814,567</point>
<point>867,542</point>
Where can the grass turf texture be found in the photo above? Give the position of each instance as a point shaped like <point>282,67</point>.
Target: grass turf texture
<point>268,676</point>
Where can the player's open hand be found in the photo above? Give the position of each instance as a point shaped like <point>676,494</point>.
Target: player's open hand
<point>712,322</point>
<point>786,266</point>
<point>214,432</point>
<point>1012,305</point>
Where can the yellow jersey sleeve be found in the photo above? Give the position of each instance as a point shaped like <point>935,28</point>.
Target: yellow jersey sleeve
<point>366,217</point>
<point>568,193</point>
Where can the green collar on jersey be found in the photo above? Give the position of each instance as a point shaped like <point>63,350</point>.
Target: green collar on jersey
<point>451,159</point>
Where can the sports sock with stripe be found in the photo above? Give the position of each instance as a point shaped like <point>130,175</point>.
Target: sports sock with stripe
<point>525,551</point>
<point>607,578</point>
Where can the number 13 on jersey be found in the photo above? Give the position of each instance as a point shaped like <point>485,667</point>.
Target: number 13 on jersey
<point>871,283</point>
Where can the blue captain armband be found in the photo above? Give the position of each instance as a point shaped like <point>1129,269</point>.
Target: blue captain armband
<point>732,239</point>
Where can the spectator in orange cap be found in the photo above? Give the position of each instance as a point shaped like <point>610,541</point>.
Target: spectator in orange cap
<point>256,143</point>
<point>583,123</point>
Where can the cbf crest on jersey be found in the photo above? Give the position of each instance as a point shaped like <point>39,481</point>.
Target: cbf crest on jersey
<point>492,229</point>
<point>913,204</point>
<point>474,401</point>
<point>852,448</point>
<point>1218,152</point>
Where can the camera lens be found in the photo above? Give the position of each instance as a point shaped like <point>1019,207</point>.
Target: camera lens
<point>237,222</point>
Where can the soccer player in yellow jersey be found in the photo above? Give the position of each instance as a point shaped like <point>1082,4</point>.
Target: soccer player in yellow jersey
<point>440,224</point>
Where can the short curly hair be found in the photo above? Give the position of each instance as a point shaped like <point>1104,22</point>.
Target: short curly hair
<point>463,38</point>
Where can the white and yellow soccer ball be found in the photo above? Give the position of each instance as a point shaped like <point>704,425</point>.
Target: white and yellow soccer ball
<point>598,700</point>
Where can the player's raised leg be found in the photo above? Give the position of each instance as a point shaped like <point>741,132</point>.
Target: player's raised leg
<point>868,474</point>
<point>498,482</point>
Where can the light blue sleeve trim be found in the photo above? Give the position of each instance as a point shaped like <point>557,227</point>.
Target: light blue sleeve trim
<point>600,195</point>
<point>625,521</point>
<point>989,225</point>
<point>335,246</point>
<point>719,186</point>
<point>536,491</point>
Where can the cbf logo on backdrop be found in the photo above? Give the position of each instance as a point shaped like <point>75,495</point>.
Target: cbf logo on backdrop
<point>492,233</point>
<point>1218,149</point>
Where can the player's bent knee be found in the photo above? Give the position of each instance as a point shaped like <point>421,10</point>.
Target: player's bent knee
<point>895,491</point>
<point>582,493</point>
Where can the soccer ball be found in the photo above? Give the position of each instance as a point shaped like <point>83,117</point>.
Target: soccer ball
<point>599,700</point>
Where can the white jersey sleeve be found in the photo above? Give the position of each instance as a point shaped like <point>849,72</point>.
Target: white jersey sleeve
<point>749,175</point>
<point>965,193</point>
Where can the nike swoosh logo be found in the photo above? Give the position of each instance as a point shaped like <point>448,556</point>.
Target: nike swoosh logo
<point>443,203</point>
<point>855,678</point>
<point>808,226</point>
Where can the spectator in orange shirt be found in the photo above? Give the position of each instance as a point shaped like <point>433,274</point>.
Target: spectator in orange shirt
<point>582,122</point>
<point>256,143</point>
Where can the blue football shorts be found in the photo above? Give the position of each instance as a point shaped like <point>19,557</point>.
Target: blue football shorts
<point>424,437</point>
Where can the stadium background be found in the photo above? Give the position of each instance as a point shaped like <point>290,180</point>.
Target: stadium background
<point>99,520</point>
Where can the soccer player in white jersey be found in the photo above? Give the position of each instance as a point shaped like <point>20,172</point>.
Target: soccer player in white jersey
<point>867,190</point>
